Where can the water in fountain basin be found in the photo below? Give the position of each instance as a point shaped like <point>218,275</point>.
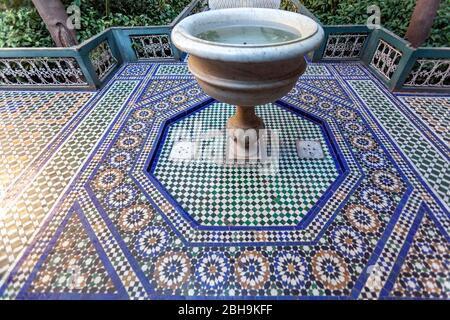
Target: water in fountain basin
<point>248,35</point>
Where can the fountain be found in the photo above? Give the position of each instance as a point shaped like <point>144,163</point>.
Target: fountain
<point>247,56</point>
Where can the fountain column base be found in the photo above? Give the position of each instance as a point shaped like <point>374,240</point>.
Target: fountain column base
<point>245,118</point>
<point>243,133</point>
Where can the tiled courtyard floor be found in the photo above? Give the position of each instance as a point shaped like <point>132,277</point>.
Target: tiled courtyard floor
<point>91,207</point>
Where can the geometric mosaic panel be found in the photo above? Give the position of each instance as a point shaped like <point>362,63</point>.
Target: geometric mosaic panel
<point>425,270</point>
<point>434,111</point>
<point>25,208</point>
<point>75,266</point>
<point>228,195</point>
<point>30,120</point>
<point>327,85</point>
<point>94,212</point>
<point>432,164</point>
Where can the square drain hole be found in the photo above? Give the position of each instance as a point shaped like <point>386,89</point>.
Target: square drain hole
<point>183,150</point>
<point>309,149</point>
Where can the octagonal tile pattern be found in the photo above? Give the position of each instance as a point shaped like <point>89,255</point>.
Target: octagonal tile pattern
<point>228,195</point>
<point>112,220</point>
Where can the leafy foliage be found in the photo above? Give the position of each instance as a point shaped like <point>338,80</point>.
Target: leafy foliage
<point>21,25</point>
<point>395,15</point>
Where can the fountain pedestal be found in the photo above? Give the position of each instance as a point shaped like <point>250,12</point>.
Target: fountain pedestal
<point>243,133</point>
<point>245,118</point>
<point>246,85</point>
<point>247,57</point>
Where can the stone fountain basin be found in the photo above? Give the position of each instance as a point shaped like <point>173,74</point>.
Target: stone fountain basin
<point>247,74</point>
